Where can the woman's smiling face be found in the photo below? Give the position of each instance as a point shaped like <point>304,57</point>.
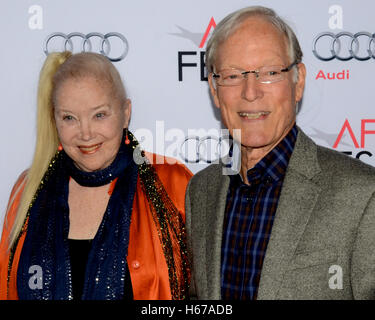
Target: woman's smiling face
<point>90,122</point>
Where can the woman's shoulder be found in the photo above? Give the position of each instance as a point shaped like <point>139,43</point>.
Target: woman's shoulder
<point>11,212</point>
<point>14,199</point>
<point>168,167</point>
<point>21,178</point>
<point>174,176</point>
<point>18,188</point>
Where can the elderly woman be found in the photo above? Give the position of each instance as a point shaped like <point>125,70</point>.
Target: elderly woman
<point>87,221</point>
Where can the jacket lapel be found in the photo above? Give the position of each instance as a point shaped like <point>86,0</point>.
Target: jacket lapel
<point>217,189</point>
<point>298,197</point>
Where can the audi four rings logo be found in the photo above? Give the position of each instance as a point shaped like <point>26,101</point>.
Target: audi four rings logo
<point>86,45</point>
<point>352,49</point>
<point>203,147</point>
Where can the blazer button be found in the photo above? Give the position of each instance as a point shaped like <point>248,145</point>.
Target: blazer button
<point>135,264</point>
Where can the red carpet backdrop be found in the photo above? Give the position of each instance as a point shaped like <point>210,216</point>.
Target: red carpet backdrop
<point>159,48</point>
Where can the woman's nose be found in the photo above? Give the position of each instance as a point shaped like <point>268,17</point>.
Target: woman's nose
<point>86,130</point>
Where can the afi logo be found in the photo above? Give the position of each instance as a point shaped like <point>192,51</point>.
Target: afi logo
<point>199,39</point>
<point>212,24</point>
<point>364,131</point>
<point>347,128</point>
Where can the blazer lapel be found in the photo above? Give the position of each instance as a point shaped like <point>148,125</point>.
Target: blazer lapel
<point>297,200</point>
<point>217,188</point>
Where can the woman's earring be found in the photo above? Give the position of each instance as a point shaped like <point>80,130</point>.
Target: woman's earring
<point>127,141</point>
<point>60,147</point>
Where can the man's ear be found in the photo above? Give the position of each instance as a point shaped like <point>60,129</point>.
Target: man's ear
<point>213,89</point>
<point>300,85</point>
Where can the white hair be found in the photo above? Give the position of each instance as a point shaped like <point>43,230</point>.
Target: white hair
<point>232,22</point>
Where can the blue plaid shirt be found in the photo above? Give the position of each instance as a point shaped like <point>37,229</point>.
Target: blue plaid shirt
<point>249,214</point>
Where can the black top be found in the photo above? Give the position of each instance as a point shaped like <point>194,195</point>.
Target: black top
<point>79,253</point>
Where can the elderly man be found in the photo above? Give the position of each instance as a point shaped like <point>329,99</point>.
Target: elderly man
<point>298,221</point>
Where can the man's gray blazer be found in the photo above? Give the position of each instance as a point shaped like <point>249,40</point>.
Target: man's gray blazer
<point>322,243</point>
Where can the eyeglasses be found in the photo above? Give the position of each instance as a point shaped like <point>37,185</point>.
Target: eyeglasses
<point>268,74</point>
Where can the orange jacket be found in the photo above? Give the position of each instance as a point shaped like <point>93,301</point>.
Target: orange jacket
<point>147,265</point>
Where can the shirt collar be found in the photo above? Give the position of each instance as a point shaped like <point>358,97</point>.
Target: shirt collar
<point>272,167</point>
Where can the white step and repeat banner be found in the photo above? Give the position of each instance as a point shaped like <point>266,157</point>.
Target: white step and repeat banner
<point>159,47</point>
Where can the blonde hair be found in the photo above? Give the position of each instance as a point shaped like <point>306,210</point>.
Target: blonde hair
<point>58,68</point>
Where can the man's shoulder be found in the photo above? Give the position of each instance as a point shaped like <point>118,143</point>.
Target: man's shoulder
<point>212,171</point>
<point>308,156</point>
<point>342,164</point>
<point>210,179</point>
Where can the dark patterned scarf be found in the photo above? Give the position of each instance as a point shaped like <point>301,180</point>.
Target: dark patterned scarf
<point>46,243</point>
